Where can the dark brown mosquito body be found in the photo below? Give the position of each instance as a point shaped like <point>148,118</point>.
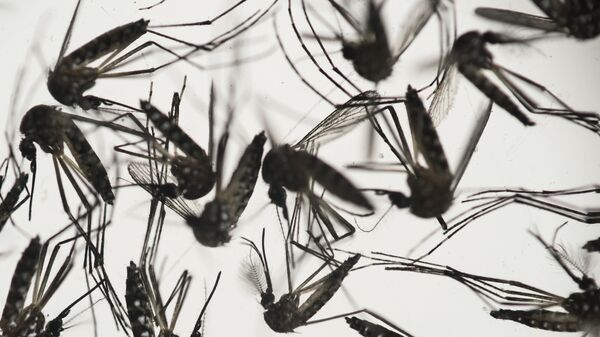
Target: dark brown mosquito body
<point>29,319</point>
<point>470,57</point>
<point>432,186</point>
<point>221,215</point>
<point>287,314</point>
<point>211,226</point>
<point>139,309</point>
<point>51,129</point>
<point>72,75</point>
<point>19,285</point>
<point>580,19</point>
<point>581,309</point>
<point>293,166</point>
<point>194,172</point>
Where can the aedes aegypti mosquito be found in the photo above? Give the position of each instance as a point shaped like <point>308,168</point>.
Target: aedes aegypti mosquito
<point>72,75</point>
<point>432,186</point>
<point>471,58</point>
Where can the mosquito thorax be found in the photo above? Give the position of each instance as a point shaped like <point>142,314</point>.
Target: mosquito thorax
<point>282,316</point>
<point>194,178</point>
<point>469,48</point>
<point>584,304</point>
<point>211,229</point>
<point>44,125</point>
<point>430,194</point>
<point>370,59</point>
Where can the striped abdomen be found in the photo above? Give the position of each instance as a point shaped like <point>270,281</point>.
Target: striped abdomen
<point>88,162</point>
<point>139,310</point>
<point>332,180</point>
<point>12,197</point>
<point>424,134</point>
<point>542,319</point>
<point>326,290</point>
<point>488,88</point>
<point>117,38</point>
<point>19,285</point>
<point>174,133</point>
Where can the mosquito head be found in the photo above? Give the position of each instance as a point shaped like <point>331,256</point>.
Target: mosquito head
<point>587,283</point>
<point>399,199</point>
<point>212,228</point>
<point>27,149</point>
<point>55,326</point>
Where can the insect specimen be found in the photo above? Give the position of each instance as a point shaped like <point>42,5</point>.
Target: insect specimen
<point>432,187</point>
<point>194,172</point>
<point>581,309</point>
<point>10,203</point>
<point>288,313</point>
<point>470,57</point>
<point>212,226</point>
<point>72,75</point>
<point>371,54</point>
<point>292,166</point>
<point>592,245</point>
<point>579,19</point>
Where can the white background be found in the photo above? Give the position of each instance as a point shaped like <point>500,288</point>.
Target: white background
<point>552,155</point>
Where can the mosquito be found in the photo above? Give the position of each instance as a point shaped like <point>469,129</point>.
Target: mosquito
<point>492,200</point>
<point>470,57</point>
<point>288,313</point>
<point>12,201</point>
<point>292,166</point>
<point>372,56</point>
<point>213,225</point>
<point>592,245</point>
<point>72,75</point>
<point>432,186</point>
<point>579,19</point>
<point>580,308</point>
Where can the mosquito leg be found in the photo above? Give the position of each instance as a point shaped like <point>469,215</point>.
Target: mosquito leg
<point>291,64</point>
<point>309,54</point>
<point>333,66</point>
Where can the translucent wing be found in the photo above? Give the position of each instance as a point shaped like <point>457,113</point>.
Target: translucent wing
<point>142,174</point>
<point>342,119</point>
<point>517,18</point>
<point>443,98</point>
<point>417,19</point>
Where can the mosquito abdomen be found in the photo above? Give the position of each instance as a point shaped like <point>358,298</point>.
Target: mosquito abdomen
<point>541,319</point>
<point>174,133</point>
<point>332,180</point>
<point>368,329</point>
<point>88,162</point>
<point>12,197</point>
<point>103,44</point>
<point>19,285</point>
<point>494,93</point>
<point>139,310</point>
<point>424,132</point>
<point>327,289</point>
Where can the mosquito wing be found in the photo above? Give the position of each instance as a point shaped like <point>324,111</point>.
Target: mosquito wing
<point>142,174</point>
<point>443,98</point>
<point>418,18</point>
<point>342,119</point>
<point>473,141</point>
<point>517,18</point>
